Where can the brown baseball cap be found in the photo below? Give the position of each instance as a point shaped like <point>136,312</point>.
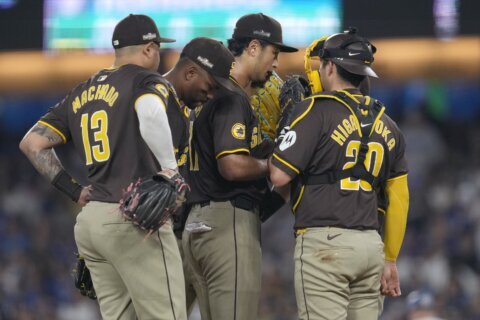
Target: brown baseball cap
<point>212,56</point>
<point>263,27</point>
<point>136,29</point>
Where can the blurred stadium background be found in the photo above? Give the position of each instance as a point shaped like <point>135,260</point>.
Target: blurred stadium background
<point>429,63</point>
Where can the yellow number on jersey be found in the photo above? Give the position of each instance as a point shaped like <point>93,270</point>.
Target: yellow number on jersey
<point>374,155</point>
<point>255,138</point>
<point>100,151</point>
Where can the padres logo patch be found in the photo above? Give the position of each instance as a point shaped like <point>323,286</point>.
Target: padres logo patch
<point>162,89</point>
<point>238,131</point>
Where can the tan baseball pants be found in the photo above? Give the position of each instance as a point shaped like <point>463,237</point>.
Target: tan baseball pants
<point>134,277</point>
<point>337,274</point>
<point>222,248</point>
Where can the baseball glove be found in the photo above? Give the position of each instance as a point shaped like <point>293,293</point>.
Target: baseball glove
<point>83,281</point>
<point>294,90</point>
<point>267,107</point>
<point>150,203</point>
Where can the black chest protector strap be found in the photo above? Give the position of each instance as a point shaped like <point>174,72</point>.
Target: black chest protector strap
<point>366,114</point>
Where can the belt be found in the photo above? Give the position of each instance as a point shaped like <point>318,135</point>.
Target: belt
<point>301,231</point>
<point>238,202</point>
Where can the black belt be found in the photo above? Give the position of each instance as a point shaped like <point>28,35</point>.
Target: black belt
<point>238,202</point>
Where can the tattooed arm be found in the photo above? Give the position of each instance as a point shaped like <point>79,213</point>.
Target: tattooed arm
<point>38,145</point>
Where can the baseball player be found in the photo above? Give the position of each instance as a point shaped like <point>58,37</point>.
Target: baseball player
<point>201,56</point>
<point>340,149</point>
<point>222,233</point>
<point>118,123</point>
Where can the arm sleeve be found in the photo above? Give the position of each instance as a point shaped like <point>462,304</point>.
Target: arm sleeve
<point>294,153</point>
<point>396,216</point>
<point>230,131</point>
<point>399,166</point>
<point>155,130</point>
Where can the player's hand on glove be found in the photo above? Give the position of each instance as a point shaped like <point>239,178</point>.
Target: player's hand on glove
<point>178,182</point>
<point>390,281</point>
<point>293,91</point>
<point>150,202</point>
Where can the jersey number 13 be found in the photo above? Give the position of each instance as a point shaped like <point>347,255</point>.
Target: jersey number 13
<point>98,124</point>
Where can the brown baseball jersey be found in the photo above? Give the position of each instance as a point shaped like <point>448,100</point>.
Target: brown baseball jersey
<point>325,136</point>
<point>178,119</point>
<point>100,118</point>
<point>224,125</point>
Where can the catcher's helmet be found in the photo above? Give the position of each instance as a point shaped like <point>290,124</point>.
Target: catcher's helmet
<point>349,51</point>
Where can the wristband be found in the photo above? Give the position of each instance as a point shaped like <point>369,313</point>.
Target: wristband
<point>66,184</point>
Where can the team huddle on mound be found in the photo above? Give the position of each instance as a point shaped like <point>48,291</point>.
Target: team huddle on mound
<point>184,167</point>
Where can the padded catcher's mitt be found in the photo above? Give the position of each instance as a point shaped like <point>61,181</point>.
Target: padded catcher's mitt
<point>149,203</point>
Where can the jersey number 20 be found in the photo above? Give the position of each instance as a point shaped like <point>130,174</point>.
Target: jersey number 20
<point>98,123</point>
<point>374,158</point>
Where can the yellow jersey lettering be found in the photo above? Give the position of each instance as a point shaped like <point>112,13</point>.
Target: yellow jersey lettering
<point>343,130</point>
<point>347,126</point>
<point>379,127</point>
<point>90,93</point>
<point>338,137</point>
<point>391,144</point>
<point>76,104</point>
<point>113,99</point>
<point>385,133</point>
<point>110,94</point>
<point>353,123</point>
<point>84,97</point>
<point>100,92</point>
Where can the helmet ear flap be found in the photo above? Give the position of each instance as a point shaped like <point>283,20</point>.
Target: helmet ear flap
<point>313,75</point>
<point>314,81</point>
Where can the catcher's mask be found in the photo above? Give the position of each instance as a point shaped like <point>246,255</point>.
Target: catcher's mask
<point>347,49</point>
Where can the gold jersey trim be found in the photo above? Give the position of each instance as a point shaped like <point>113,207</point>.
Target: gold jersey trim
<point>239,150</point>
<point>54,129</point>
<point>285,162</point>
<point>297,202</point>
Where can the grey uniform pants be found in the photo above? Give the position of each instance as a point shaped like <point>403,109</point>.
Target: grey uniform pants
<point>222,248</point>
<point>134,277</point>
<point>337,274</point>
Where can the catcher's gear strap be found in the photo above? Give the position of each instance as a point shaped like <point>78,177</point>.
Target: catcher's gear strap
<point>367,115</point>
<point>66,184</point>
<point>396,216</point>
